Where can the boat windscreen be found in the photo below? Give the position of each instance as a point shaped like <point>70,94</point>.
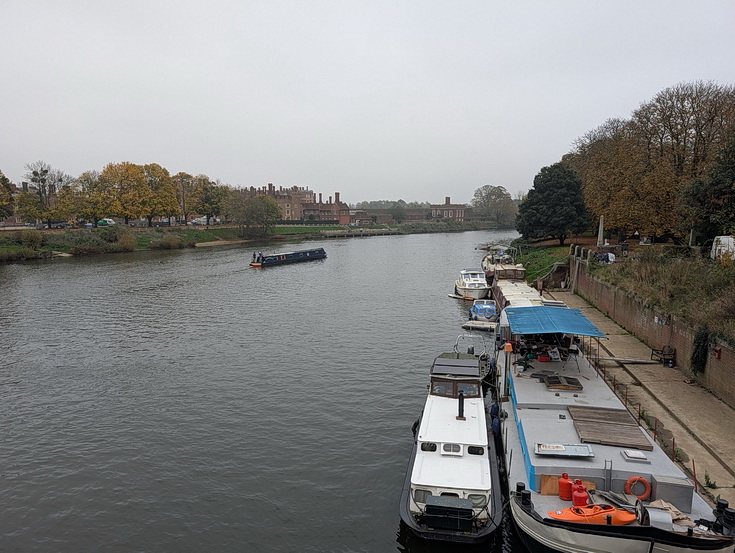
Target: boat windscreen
<point>452,388</point>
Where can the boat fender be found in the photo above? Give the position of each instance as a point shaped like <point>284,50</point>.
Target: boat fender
<point>632,481</point>
<point>415,427</point>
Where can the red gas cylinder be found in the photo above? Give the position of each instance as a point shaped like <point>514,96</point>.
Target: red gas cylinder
<point>565,487</point>
<point>580,498</point>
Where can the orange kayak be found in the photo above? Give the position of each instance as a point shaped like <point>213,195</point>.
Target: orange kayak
<point>594,513</point>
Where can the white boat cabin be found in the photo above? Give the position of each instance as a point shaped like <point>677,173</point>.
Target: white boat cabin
<point>452,438</point>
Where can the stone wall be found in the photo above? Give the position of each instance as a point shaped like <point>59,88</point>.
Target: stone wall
<point>655,328</point>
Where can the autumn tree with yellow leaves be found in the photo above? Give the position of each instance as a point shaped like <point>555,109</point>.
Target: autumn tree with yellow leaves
<point>131,189</point>
<point>97,197</point>
<point>160,196</point>
<point>633,172</point>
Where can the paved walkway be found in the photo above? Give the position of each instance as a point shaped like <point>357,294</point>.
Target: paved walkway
<point>683,414</point>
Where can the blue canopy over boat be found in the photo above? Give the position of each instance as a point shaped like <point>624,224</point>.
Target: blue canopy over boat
<point>549,320</point>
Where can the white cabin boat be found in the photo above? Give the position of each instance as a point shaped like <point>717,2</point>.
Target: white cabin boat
<point>452,486</point>
<point>564,420</point>
<point>471,284</point>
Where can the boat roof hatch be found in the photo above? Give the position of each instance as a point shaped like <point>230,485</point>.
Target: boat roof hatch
<point>550,320</point>
<point>458,367</point>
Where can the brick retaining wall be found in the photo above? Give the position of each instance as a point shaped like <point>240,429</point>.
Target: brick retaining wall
<point>655,328</point>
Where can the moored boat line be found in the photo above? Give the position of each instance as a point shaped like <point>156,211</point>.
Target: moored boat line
<point>629,495</point>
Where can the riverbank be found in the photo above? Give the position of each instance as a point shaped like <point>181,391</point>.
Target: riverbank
<point>26,244</point>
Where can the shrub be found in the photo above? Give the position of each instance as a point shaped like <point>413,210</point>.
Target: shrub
<point>71,238</point>
<point>168,242</point>
<point>113,233</point>
<point>127,242</point>
<point>24,253</point>
<point>9,239</point>
<point>85,250</point>
<point>31,238</point>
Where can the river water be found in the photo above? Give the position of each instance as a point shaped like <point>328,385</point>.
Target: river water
<point>182,401</point>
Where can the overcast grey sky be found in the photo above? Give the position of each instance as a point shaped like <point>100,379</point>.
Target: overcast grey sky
<point>375,99</point>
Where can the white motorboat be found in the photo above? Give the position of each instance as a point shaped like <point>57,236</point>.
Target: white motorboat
<point>452,489</point>
<point>580,463</point>
<point>471,284</point>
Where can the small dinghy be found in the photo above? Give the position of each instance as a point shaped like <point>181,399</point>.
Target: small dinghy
<point>594,513</point>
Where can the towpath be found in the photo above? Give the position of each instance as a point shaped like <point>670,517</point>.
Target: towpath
<point>683,414</point>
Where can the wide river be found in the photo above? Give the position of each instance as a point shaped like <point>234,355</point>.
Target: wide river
<point>183,401</point>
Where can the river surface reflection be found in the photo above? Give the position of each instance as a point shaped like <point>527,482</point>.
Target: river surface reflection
<point>182,401</point>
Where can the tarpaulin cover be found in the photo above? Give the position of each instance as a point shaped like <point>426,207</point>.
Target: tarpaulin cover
<point>548,320</point>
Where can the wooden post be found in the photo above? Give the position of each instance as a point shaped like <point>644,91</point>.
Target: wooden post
<point>639,414</point>
<point>625,401</point>
<point>655,429</point>
<point>694,472</point>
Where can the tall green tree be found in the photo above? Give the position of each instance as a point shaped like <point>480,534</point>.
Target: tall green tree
<point>7,203</point>
<point>208,197</point>
<point>554,207</point>
<point>398,210</point>
<point>495,204</point>
<point>709,202</point>
<point>254,214</point>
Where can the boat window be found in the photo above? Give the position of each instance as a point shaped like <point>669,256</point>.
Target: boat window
<point>442,388</point>
<point>476,450</point>
<point>428,446</point>
<point>478,500</point>
<point>452,448</point>
<point>448,388</point>
<point>449,494</point>
<point>420,496</point>
<point>470,389</point>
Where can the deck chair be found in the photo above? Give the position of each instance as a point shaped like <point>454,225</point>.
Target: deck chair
<point>571,353</point>
<point>664,355</point>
